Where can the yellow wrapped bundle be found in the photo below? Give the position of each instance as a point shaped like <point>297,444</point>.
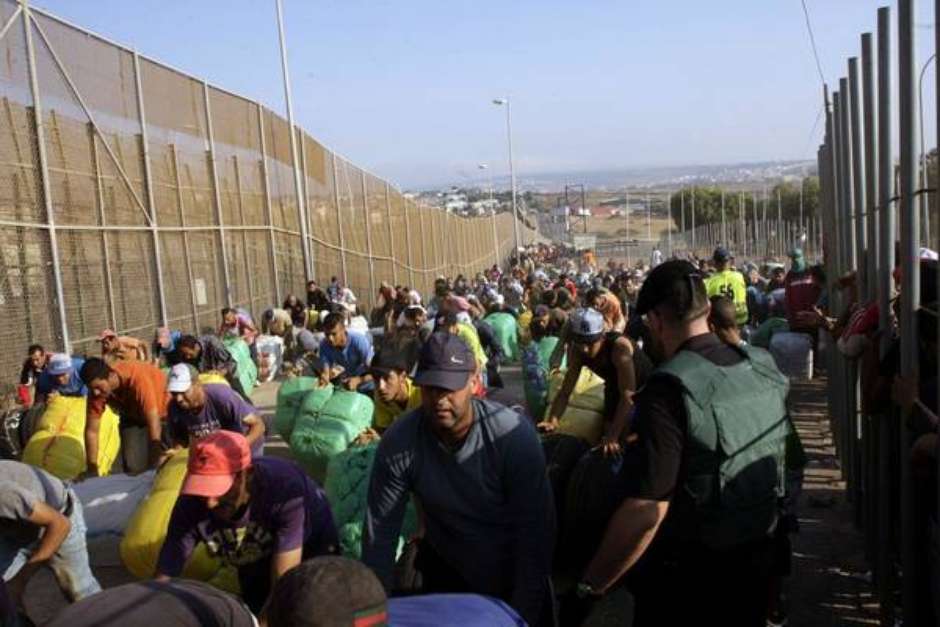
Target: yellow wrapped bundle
<point>584,417</point>
<point>58,443</point>
<point>147,529</point>
<point>211,377</point>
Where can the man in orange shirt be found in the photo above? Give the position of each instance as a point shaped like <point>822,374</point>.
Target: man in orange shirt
<point>136,392</point>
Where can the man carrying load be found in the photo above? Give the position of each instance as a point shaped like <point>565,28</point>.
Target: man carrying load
<point>611,357</point>
<point>41,524</point>
<point>263,516</point>
<point>197,409</point>
<point>61,377</point>
<point>136,391</point>
<point>478,471</point>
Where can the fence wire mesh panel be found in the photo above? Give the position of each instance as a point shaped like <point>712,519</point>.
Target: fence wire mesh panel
<point>171,199</point>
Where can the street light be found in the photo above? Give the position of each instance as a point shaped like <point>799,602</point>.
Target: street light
<point>512,173</point>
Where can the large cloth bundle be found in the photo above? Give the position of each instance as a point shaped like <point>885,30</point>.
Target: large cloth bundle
<point>505,329</point>
<point>584,417</point>
<point>762,336</point>
<point>793,354</point>
<point>347,489</point>
<point>535,370</point>
<point>58,441</point>
<point>247,370</point>
<point>211,377</point>
<point>323,431</point>
<point>591,499</point>
<point>146,531</point>
<point>289,398</point>
<point>109,503</point>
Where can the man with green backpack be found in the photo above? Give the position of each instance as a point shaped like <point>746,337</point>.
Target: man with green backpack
<point>699,510</point>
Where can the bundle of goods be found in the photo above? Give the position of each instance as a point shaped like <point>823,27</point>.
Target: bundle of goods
<point>109,503</point>
<point>793,354</point>
<point>322,430</point>
<point>562,453</point>
<point>289,397</point>
<point>247,370</point>
<point>584,416</point>
<point>57,444</point>
<point>535,370</point>
<point>146,531</point>
<point>505,329</point>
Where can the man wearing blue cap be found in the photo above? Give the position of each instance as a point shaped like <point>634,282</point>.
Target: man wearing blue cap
<point>478,471</point>
<point>729,283</point>
<point>61,377</point>
<point>611,357</point>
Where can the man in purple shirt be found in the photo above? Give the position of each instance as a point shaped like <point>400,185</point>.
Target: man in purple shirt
<point>262,516</point>
<point>196,410</point>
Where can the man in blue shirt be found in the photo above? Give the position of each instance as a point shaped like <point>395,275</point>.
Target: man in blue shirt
<point>344,356</point>
<point>61,377</point>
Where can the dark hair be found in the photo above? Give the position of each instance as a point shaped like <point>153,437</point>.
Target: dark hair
<point>723,316</point>
<point>411,313</point>
<point>188,341</point>
<point>227,310</point>
<point>333,319</point>
<point>93,369</point>
<point>447,320</point>
<point>35,347</point>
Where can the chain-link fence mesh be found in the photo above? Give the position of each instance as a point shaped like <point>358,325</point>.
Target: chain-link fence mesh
<point>146,197</point>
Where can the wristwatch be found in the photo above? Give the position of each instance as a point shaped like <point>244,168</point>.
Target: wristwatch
<point>585,590</point>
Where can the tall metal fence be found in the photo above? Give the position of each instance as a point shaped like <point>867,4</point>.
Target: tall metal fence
<point>133,195</point>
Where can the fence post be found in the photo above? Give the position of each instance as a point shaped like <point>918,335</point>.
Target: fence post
<point>217,196</point>
<point>411,264</point>
<point>186,254</point>
<point>339,221</point>
<point>304,191</point>
<point>241,216</point>
<point>44,177</point>
<point>148,182</point>
<point>105,244</point>
<point>365,207</point>
<point>267,204</point>
<point>388,218</point>
<point>858,172</point>
<point>495,239</point>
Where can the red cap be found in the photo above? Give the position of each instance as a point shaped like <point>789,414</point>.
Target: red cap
<point>213,462</point>
<point>106,334</point>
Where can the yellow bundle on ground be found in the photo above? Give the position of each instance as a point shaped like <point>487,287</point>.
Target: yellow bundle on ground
<point>211,377</point>
<point>147,529</point>
<point>584,416</point>
<point>58,442</point>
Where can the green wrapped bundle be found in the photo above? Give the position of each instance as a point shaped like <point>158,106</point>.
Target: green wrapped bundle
<point>347,489</point>
<point>323,430</point>
<point>504,328</point>
<point>289,398</point>
<point>247,370</point>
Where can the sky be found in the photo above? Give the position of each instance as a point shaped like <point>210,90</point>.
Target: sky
<point>404,88</point>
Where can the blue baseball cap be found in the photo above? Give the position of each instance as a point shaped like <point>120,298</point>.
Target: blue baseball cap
<point>445,362</point>
<point>59,364</point>
<point>586,325</point>
<point>721,255</point>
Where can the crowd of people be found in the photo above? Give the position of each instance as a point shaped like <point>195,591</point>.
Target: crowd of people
<point>695,414</point>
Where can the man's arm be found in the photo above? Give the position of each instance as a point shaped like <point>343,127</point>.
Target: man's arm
<point>532,515</point>
<point>617,427</point>
<point>385,509</point>
<point>629,533</point>
<point>256,428</point>
<point>181,538</point>
<point>560,404</point>
<point>56,528</point>
<point>94,409</point>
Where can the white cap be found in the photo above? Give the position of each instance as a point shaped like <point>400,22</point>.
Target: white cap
<point>180,379</point>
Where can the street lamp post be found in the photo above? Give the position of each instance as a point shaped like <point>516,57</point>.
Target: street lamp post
<point>512,171</point>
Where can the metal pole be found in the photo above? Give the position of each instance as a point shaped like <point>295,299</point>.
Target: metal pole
<point>871,168</point>
<point>924,196</point>
<point>411,263</point>
<point>241,216</point>
<point>368,223</point>
<point>339,221</point>
<point>298,187</point>
<point>910,290</point>
<point>105,244</point>
<point>187,255</point>
<point>267,204</point>
<point>217,196</point>
<point>848,179</point>
<point>391,238</point>
<point>858,172</point>
<point>148,181</point>
<point>44,176</point>
<point>512,177</point>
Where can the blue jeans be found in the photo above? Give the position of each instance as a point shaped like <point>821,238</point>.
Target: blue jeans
<point>69,564</point>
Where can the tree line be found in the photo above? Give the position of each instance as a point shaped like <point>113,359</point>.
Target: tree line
<point>707,203</point>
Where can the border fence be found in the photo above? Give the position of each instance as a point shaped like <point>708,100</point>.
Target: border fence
<point>865,197</point>
<point>133,195</point>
